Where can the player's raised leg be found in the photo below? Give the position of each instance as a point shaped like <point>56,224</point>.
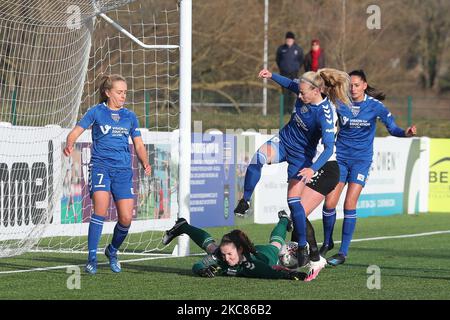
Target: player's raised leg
<point>201,238</point>
<point>278,234</point>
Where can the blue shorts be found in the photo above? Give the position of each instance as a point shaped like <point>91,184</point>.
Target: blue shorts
<point>354,171</point>
<point>296,161</point>
<point>117,181</point>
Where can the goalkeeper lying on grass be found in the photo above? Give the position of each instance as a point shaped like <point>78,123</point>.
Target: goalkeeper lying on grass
<point>236,255</point>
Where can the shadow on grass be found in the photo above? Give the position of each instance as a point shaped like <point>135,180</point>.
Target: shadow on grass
<point>410,253</point>
<point>28,263</point>
<point>408,272</point>
<point>130,267</point>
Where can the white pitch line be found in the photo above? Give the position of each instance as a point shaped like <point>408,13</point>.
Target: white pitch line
<point>100,263</point>
<point>400,237</point>
<point>167,257</point>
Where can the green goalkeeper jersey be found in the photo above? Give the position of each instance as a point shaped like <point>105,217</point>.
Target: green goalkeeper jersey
<point>257,265</point>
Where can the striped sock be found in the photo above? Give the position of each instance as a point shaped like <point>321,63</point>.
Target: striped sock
<point>347,230</point>
<point>299,219</point>
<point>328,220</point>
<point>120,233</point>
<point>94,235</point>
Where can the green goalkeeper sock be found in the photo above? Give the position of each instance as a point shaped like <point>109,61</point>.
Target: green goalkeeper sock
<point>199,236</point>
<point>279,232</point>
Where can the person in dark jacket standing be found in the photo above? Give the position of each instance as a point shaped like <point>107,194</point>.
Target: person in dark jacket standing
<point>314,59</point>
<point>289,61</point>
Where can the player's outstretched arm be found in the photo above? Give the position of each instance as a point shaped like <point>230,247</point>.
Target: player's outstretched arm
<point>389,121</point>
<point>71,139</point>
<point>282,81</point>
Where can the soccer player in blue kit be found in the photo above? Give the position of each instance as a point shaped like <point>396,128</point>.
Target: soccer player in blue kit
<point>296,143</point>
<point>110,166</point>
<point>354,151</point>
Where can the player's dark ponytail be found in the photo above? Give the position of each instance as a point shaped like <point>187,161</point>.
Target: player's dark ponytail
<point>240,240</point>
<point>371,91</point>
<point>106,83</point>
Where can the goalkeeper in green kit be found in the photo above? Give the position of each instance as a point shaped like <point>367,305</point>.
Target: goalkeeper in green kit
<point>236,255</point>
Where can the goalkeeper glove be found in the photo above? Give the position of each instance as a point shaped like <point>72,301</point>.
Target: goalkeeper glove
<point>208,272</point>
<point>209,260</point>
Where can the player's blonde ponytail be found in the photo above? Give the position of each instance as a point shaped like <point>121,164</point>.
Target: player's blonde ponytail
<point>332,82</point>
<point>106,83</point>
<point>337,85</point>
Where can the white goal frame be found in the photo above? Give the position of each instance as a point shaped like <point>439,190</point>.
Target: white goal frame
<point>185,48</point>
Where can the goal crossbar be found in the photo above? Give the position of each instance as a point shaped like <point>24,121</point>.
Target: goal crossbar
<point>133,38</point>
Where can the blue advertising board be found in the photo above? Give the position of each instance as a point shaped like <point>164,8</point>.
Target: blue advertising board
<point>212,180</point>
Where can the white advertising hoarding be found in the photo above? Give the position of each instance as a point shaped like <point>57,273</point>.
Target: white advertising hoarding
<point>397,183</point>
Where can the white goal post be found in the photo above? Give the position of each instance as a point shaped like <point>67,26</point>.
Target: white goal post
<point>50,61</point>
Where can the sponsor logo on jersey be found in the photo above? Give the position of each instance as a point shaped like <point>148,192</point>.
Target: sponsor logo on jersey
<point>119,131</point>
<point>115,131</point>
<point>359,123</point>
<point>344,120</point>
<point>300,122</point>
<point>105,129</point>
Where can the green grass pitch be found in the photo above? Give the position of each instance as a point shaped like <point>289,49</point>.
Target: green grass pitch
<point>415,267</point>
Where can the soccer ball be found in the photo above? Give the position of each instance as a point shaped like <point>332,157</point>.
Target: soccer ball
<point>288,255</point>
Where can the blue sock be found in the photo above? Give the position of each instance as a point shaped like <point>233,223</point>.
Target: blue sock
<point>299,219</point>
<point>328,220</point>
<point>94,235</point>
<point>253,174</point>
<point>347,230</point>
<point>120,233</point>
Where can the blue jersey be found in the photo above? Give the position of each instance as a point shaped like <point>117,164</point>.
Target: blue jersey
<point>307,125</point>
<point>110,132</point>
<point>357,128</point>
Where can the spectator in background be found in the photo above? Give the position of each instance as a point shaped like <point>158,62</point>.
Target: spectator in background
<point>289,61</point>
<point>314,59</point>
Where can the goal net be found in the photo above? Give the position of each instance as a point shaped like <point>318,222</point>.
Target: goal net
<point>52,55</point>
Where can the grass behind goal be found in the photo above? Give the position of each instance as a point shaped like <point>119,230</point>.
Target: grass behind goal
<point>415,267</point>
